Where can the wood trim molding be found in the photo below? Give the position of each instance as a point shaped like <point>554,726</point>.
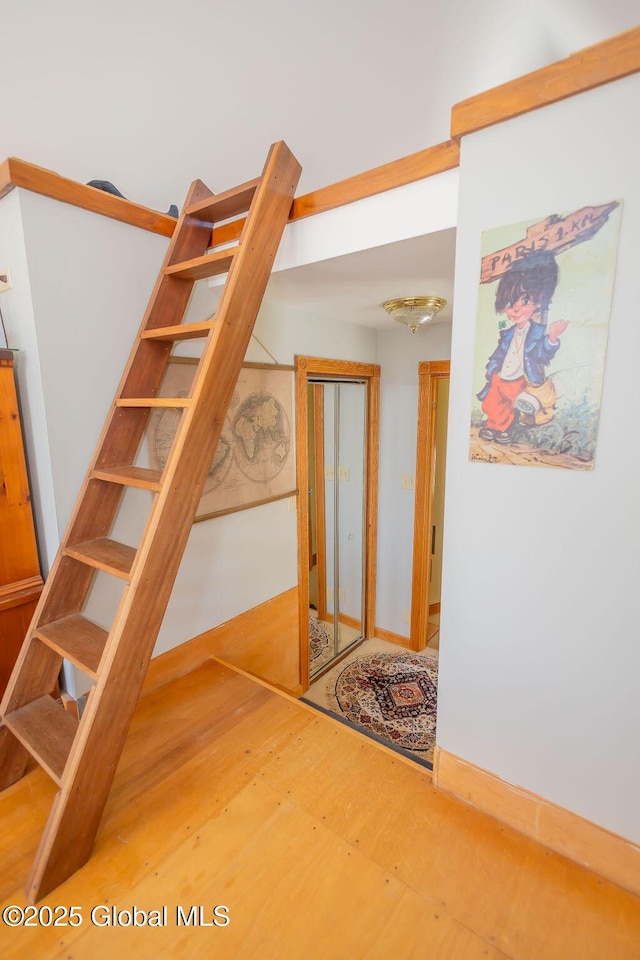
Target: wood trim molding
<point>381,634</point>
<point>429,373</point>
<point>341,369</point>
<point>582,841</point>
<point>337,369</point>
<point>601,63</point>
<point>262,641</point>
<point>18,173</point>
<point>417,166</point>
<point>5,179</point>
<point>302,477</point>
<point>20,592</point>
<point>177,662</point>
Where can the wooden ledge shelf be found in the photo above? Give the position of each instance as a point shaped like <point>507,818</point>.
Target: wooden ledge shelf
<point>601,63</point>
<point>18,173</point>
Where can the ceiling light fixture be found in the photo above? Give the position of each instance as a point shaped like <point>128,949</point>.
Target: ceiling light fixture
<point>414,312</point>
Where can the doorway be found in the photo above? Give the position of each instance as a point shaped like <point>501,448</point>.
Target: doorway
<point>337,456</point>
<point>433,405</point>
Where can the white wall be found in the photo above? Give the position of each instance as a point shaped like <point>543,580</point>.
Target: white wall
<point>77,310</point>
<point>539,644</point>
<point>74,313</point>
<point>399,353</point>
<point>235,562</point>
<point>426,206</point>
<point>90,279</point>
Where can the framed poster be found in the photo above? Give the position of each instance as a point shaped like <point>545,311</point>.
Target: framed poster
<point>254,461</point>
<point>544,302</point>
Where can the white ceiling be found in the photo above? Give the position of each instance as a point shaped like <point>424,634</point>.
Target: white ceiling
<point>353,288</point>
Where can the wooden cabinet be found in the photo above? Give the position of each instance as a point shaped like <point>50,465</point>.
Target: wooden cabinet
<point>20,580</point>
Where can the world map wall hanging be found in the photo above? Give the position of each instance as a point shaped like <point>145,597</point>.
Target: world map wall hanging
<point>254,461</point>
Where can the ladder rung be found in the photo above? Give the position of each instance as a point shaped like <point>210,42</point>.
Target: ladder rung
<point>153,402</point>
<point>76,638</point>
<point>144,477</point>
<point>181,331</point>
<point>222,206</point>
<point>47,730</point>
<point>104,554</point>
<point>211,265</point>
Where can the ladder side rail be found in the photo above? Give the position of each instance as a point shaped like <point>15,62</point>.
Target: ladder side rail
<point>73,822</point>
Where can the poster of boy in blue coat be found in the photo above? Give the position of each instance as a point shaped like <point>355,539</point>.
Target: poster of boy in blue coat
<point>537,387</point>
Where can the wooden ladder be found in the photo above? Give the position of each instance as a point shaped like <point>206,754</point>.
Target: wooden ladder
<point>82,756</point>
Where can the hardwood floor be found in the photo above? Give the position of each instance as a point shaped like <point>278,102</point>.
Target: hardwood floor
<point>320,843</point>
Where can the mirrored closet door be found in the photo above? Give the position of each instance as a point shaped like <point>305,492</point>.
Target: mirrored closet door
<point>337,501</point>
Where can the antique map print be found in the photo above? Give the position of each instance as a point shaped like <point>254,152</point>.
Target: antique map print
<point>254,461</point>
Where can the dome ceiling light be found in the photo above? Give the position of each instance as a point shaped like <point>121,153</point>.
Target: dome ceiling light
<point>414,312</point>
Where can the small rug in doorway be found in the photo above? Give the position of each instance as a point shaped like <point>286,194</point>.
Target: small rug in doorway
<point>394,697</point>
<point>319,639</point>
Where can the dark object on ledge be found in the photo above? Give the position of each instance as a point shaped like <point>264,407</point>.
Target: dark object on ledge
<point>108,187</point>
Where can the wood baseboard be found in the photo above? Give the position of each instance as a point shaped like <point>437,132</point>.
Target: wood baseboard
<point>388,635</point>
<point>263,641</point>
<point>177,662</point>
<point>603,852</point>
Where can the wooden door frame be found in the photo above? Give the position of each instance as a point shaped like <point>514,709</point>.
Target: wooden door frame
<point>306,367</point>
<point>429,373</point>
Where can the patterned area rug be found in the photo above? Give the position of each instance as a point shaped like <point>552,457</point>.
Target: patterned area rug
<point>320,636</point>
<point>393,696</point>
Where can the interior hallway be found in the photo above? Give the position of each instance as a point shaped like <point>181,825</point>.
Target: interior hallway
<point>321,843</point>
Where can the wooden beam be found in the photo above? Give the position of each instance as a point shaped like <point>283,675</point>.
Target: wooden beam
<point>5,179</point>
<point>604,62</point>
<point>398,173</point>
<point>50,184</point>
